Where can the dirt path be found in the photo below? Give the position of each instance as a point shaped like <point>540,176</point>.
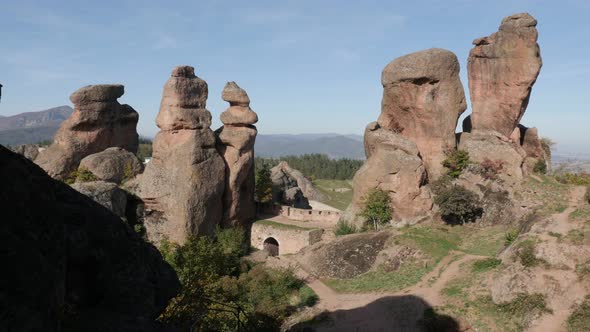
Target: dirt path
<point>382,311</point>
<point>561,305</point>
<point>399,311</point>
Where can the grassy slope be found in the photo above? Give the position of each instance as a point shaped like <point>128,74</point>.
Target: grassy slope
<point>435,242</point>
<point>339,200</point>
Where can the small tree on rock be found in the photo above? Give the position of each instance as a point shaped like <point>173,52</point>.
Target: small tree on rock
<point>456,162</point>
<point>263,184</point>
<point>377,207</point>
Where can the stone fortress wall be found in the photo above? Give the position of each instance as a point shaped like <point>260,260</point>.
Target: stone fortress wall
<point>292,213</point>
<point>290,240</point>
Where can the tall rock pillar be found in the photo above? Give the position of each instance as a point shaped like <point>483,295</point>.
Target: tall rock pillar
<point>182,186</point>
<point>235,143</point>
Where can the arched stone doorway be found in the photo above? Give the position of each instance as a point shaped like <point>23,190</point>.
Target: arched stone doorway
<point>271,246</point>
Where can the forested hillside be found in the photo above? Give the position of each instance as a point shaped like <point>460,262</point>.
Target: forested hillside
<point>317,166</point>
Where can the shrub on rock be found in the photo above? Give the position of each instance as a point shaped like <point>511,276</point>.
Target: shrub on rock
<point>458,205</point>
<point>377,208</point>
<point>456,162</point>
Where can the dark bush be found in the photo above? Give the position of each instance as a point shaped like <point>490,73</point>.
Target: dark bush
<point>540,167</point>
<point>458,205</point>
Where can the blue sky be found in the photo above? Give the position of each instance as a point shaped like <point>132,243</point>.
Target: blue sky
<point>308,66</point>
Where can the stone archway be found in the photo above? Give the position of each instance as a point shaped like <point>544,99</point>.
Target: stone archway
<point>271,245</point>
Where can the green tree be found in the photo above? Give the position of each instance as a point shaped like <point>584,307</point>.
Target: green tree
<point>377,207</point>
<point>456,162</point>
<point>263,184</point>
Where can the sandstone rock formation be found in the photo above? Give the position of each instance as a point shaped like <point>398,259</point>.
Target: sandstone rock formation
<point>30,151</point>
<point>235,143</point>
<point>294,197</point>
<point>393,165</point>
<point>182,186</point>
<point>284,177</point>
<point>98,122</point>
<point>533,147</point>
<point>113,165</point>
<point>502,69</point>
<point>490,145</point>
<point>69,263</point>
<point>422,100</point>
<point>106,194</point>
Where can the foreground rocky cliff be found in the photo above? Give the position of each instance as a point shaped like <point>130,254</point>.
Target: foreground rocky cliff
<point>71,264</point>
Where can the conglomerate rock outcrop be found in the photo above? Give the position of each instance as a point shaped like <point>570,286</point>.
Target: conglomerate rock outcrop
<point>113,165</point>
<point>235,143</point>
<point>393,165</point>
<point>502,69</point>
<point>285,177</point>
<point>182,185</point>
<point>70,264</point>
<point>98,122</point>
<point>422,100</point>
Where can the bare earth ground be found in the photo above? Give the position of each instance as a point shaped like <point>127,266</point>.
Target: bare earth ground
<point>399,311</point>
<point>562,305</point>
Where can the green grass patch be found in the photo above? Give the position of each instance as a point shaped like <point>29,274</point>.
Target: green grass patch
<point>408,274</point>
<point>579,320</point>
<point>526,253</point>
<point>338,192</point>
<point>579,236</point>
<point>581,213</point>
<point>551,195</point>
<point>583,270</point>
<point>280,225</point>
<point>344,228</point>
<point>436,242</point>
<point>306,297</point>
<point>486,264</point>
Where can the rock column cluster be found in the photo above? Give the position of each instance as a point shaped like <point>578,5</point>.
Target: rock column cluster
<point>423,99</point>
<point>98,122</point>
<point>502,69</point>
<point>182,186</point>
<point>235,143</point>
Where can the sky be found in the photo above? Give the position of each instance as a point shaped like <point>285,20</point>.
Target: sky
<point>309,66</point>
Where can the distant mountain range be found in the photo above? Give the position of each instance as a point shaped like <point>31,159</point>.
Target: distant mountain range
<point>333,145</point>
<point>32,127</point>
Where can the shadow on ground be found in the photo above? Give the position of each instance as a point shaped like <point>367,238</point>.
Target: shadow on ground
<point>406,313</point>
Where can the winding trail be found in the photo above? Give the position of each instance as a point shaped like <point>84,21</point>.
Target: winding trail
<point>399,311</point>
<point>561,305</point>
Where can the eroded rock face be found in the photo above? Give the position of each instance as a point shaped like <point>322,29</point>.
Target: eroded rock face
<point>106,194</point>
<point>393,165</point>
<point>72,264</point>
<point>502,69</point>
<point>284,177</point>
<point>533,147</point>
<point>422,100</point>
<point>98,122</point>
<point>182,185</point>
<point>235,143</point>
<point>113,165</point>
<point>490,145</point>
<point>30,151</point>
